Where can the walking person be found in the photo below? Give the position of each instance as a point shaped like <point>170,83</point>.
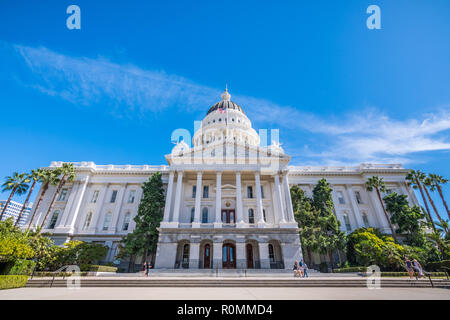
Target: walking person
<point>409,268</point>
<point>147,268</point>
<point>300,269</point>
<point>305,270</point>
<point>418,268</point>
<point>144,267</point>
<point>295,269</point>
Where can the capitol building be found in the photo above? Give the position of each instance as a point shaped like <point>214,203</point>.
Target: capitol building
<point>228,203</point>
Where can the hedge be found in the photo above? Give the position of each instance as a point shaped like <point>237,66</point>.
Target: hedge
<point>433,266</point>
<point>405,274</point>
<point>18,267</point>
<point>97,268</point>
<point>9,282</point>
<point>350,269</point>
<point>59,274</point>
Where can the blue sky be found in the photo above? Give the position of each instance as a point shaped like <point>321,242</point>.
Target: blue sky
<point>114,91</point>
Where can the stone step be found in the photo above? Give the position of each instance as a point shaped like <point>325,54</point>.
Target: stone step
<point>144,282</point>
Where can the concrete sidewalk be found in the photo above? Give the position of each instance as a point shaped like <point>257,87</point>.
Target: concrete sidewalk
<point>237,293</point>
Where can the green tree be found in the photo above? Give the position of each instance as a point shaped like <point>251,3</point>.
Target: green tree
<point>409,220</point>
<point>68,175</point>
<point>34,176</point>
<point>48,177</point>
<point>435,182</point>
<point>144,239</point>
<point>415,179</point>
<point>307,218</point>
<point>379,186</point>
<point>427,182</point>
<point>14,244</point>
<point>17,184</point>
<point>331,238</point>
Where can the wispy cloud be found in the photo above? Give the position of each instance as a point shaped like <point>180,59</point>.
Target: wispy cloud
<point>371,137</point>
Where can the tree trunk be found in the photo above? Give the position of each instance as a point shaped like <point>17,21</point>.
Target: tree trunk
<point>25,203</point>
<point>426,203</point>
<point>44,189</point>
<point>386,215</point>
<point>50,208</point>
<point>129,263</point>
<point>435,210</point>
<point>144,256</point>
<point>310,262</point>
<point>7,202</point>
<point>443,200</point>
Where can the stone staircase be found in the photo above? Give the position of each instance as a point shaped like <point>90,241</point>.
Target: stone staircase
<point>140,281</point>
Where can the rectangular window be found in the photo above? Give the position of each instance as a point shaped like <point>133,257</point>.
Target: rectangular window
<point>250,192</point>
<point>262,192</point>
<point>205,191</point>
<point>131,196</point>
<point>340,197</point>
<point>107,221</point>
<point>194,192</point>
<point>62,195</point>
<point>358,197</point>
<point>347,223</point>
<point>94,196</point>
<point>113,196</point>
<point>365,219</point>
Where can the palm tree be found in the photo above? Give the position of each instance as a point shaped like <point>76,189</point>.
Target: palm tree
<point>437,181</point>
<point>48,177</point>
<point>34,176</point>
<point>379,186</point>
<point>18,184</point>
<point>415,178</point>
<point>427,182</point>
<point>68,175</point>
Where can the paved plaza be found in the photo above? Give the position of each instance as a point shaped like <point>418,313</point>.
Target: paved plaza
<point>224,294</point>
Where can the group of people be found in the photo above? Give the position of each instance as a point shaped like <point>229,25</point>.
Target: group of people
<point>412,267</point>
<point>300,269</point>
<point>146,268</point>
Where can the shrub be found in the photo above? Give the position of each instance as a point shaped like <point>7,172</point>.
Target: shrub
<point>350,269</point>
<point>22,267</point>
<point>97,268</point>
<point>433,266</point>
<point>9,282</point>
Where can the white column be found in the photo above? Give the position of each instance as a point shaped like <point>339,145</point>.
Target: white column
<point>287,196</point>
<point>376,205</point>
<point>118,208</point>
<point>194,255</point>
<point>84,183</point>
<point>178,195</point>
<point>259,206</point>
<point>239,214</point>
<point>98,209</point>
<point>218,222</point>
<point>168,197</point>
<point>198,198</point>
<point>279,210</point>
<point>356,212</point>
<point>264,255</point>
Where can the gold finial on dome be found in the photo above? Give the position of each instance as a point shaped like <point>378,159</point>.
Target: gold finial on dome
<point>225,95</point>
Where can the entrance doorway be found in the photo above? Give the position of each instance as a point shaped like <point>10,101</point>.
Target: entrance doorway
<point>207,256</point>
<point>228,216</point>
<point>229,256</point>
<point>250,261</point>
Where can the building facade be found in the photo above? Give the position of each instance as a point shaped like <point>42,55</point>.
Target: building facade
<point>13,211</point>
<point>228,203</point>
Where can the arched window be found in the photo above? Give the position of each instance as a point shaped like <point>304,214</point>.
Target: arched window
<point>271,253</point>
<point>107,221</point>
<point>52,223</point>
<point>205,215</point>
<point>251,216</point>
<point>126,221</point>
<point>87,222</point>
<point>192,214</point>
